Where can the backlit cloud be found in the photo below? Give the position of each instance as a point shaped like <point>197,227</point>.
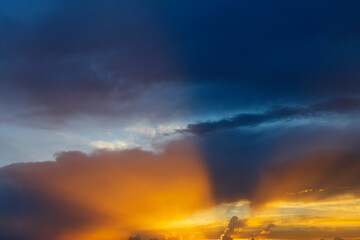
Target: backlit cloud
<point>113,193</point>
<point>320,175</point>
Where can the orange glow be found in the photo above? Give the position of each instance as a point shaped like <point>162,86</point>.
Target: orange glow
<point>169,195</point>
<point>128,190</point>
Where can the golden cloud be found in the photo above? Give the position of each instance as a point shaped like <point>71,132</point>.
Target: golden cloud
<point>126,190</point>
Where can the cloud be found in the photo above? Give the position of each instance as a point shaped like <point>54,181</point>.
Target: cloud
<point>58,64</point>
<point>114,145</point>
<point>262,233</point>
<point>269,227</point>
<point>82,64</point>
<point>119,61</point>
<point>107,193</point>
<point>137,237</point>
<point>219,166</point>
<point>239,160</point>
<point>235,224</point>
<point>333,106</point>
<point>317,176</point>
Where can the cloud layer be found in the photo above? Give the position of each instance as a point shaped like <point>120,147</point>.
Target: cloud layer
<point>65,59</point>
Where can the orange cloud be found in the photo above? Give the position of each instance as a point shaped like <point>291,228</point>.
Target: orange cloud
<point>124,191</point>
<point>318,176</point>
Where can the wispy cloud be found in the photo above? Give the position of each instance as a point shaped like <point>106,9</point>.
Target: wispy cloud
<point>279,113</point>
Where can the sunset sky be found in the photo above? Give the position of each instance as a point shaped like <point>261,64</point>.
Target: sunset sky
<point>179,120</point>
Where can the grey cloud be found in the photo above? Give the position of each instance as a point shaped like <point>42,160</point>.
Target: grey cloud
<point>234,223</point>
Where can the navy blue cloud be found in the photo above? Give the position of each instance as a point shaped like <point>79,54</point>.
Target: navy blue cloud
<point>334,106</point>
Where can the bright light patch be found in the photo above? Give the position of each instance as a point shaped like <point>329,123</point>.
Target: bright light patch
<point>114,145</point>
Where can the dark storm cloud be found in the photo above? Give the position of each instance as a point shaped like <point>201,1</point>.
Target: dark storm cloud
<point>83,57</point>
<point>239,160</point>
<point>334,106</point>
<point>277,163</point>
<point>89,57</point>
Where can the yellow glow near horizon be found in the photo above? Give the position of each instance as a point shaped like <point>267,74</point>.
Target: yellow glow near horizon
<point>337,215</point>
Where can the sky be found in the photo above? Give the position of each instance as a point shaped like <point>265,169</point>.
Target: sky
<point>179,120</point>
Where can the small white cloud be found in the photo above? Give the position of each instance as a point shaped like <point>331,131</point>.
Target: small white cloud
<point>153,132</point>
<point>114,145</point>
